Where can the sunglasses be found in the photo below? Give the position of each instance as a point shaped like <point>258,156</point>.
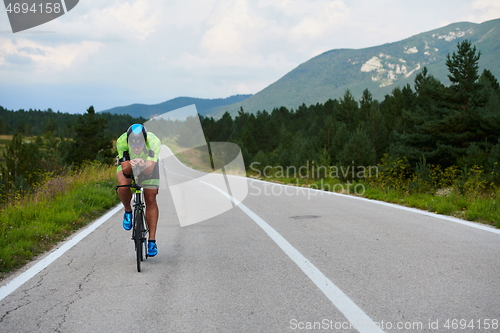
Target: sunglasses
<point>136,143</point>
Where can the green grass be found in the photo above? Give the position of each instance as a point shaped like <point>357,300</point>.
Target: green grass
<point>487,210</point>
<point>32,225</point>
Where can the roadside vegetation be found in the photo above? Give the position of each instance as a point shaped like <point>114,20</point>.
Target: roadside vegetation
<point>51,185</point>
<point>31,223</point>
<point>466,195</point>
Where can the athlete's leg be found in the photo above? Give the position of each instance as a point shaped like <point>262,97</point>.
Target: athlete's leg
<point>151,210</point>
<point>124,192</point>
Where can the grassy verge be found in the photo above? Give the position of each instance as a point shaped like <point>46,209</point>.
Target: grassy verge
<point>33,224</point>
<point>483,208</point>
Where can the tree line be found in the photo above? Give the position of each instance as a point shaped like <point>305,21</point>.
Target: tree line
<point>56,141</point>
<point>40,122</point>
<point>429,124</point>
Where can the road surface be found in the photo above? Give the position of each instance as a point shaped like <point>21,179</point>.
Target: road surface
<point>287,260</point>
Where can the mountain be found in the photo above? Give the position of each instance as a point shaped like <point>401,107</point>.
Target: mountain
<point>202,105</point>
<point>379,69</point>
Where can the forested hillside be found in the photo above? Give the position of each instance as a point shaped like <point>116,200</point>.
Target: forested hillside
<point>454,127</point>
<point>379,69</point>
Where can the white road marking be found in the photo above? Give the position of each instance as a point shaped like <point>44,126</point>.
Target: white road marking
<point>342,302</point>
<point>414,210</point>
<point>476,225</point>
<point>357,317</point>
<point>38,267</point>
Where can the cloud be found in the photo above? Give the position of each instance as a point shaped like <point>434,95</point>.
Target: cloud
<point>139,18</point>
<point>232,28</point>
<point>242,46</point>
<point>247,26</point>
<point>16,59</point>
<point>311,19</point>
<point>42,58</point>
<point>486,4</point>
<point>87,42</point>
<point>485,10</point>
<point>109,20</point>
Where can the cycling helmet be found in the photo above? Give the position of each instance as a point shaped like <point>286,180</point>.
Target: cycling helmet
<point>137,135</point>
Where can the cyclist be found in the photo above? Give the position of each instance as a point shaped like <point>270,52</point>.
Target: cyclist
<point>138,152</point>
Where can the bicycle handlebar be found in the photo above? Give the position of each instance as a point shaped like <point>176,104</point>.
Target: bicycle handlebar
<point>138,187</point>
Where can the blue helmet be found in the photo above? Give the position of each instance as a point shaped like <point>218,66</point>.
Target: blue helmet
<point>137,135</point>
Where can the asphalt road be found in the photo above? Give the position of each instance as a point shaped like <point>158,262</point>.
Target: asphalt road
<point>238,272</point>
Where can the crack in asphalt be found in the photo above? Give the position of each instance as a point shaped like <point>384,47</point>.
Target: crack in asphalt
<point>77,293</point>
<point>109,231</point>
<point>24,298</point>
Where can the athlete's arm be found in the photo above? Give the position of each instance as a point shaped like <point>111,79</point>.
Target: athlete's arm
<point>123,155</point>
<point>147,165</point>
<point>154,152</point>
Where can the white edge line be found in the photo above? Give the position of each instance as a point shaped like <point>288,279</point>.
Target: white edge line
<point>388,204</point>
<point>341,301</point>
<point>356,316</point>
<point>410,209</point>
<point>38,267</point>
<point>359,319</point>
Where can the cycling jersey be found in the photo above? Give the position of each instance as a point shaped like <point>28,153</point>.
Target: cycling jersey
<point>150,152</point>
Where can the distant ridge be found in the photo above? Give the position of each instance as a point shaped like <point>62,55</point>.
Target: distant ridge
<point>202,105</point>
<point>379,69</point>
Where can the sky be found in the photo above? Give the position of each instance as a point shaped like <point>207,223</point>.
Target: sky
<point>120,52</point>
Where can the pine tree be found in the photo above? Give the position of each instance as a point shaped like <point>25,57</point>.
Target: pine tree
<point>4,127</point>
<point>487,78</point>
<point>224,127</point>
<point>418,134</point>
<point>358,151</point>
<point>375,126</point>
<point>89,142</point>
<point>444,122</point>
<point>22,165</point>
<point>365,104</point>
<point>463,67</point>
<point>394,104</point>
<point>346,111</point>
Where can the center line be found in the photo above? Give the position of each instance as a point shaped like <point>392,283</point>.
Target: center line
<point>357,317</point>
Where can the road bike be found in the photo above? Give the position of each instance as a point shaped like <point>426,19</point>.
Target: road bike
<point>139,224</point>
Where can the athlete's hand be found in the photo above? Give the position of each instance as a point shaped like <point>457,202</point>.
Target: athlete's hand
<point>138,162</point>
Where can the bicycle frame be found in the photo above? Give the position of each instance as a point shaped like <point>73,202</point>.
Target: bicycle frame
<point>139,223</point>
<point>139,227</point>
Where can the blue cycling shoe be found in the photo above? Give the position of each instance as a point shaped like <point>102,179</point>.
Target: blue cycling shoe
<point>152,249</point>
<point>127,220</point>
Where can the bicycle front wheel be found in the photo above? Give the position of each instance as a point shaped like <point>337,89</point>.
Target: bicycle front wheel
<point>138,239</point>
